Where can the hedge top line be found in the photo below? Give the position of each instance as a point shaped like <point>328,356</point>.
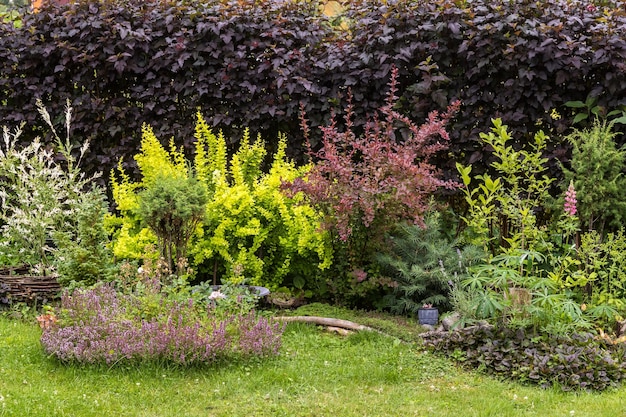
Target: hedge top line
<point>254,64</point>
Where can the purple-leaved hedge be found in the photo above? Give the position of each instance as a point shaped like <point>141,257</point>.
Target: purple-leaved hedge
<point>252,64</point>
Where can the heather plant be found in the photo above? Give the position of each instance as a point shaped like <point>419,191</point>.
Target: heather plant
<point>40,189</point>
<point>100,326</point>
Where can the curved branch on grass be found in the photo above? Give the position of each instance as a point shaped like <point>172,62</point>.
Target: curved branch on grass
<point>326,321</point>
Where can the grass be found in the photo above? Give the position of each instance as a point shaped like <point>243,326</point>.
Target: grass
<point>317,374</point>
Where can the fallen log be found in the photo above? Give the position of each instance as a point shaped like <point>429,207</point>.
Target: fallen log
<point>326,321</point>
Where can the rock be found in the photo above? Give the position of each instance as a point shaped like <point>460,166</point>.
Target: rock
<point>428,327</point>
<point>449,321</point>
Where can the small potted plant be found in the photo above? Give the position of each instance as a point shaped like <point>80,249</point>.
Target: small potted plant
<point>428,314</point>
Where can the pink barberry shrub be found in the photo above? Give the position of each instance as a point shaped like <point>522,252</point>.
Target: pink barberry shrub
<point>379,177</point>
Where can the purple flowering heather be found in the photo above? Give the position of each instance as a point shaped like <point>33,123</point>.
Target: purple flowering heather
<point>259,336</point>
<point>103,326</point>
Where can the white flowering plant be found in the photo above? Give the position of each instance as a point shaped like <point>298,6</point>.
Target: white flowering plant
<point>40,186</point>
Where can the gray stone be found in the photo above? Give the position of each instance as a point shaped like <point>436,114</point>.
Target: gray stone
<point>450,320</point>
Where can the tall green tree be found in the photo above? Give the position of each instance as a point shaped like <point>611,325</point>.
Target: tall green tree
<point>596,170</point>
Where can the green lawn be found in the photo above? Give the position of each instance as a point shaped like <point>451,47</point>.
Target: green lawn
<point>317,374</point>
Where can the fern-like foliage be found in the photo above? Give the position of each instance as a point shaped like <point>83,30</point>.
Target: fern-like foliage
<point>425,265</point>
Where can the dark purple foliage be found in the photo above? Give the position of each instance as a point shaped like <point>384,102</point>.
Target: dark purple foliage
<point>576,362</point>
<point>246,63</point>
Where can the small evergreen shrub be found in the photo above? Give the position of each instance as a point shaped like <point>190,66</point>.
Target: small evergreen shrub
<point>173,207</point>
<point>83,259</point>
<point>425,266</point>
<point>575,362</point>
<point>596,171</point>
<point>102,326</point>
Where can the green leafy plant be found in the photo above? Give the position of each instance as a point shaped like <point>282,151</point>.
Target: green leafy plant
<point>424,265</point>
<point>173,207</point>
<point>250,230</point>
<point>595,169</point>
<point>253,231</point>
<point>227,299</point>
<point>130,232</point>
<point>83,258</point>
<point>10,14</point>
<point>596,273</point>
<point>502,211</point>
<point>521,285</point>
<point>590,110</point>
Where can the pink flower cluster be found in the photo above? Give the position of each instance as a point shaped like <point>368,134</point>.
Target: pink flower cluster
<point>570,200</point>
<point>103,326</point>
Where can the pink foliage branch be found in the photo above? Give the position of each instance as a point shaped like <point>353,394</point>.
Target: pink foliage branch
<point>377,177</point>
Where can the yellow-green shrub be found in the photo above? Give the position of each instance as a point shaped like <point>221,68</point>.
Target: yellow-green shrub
<point>252,232</point>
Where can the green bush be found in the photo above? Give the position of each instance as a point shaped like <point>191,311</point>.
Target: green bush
<point>253,232</point>
<point>84,259</point>
<point>247,231</point>
<point>173,207</point>
<point>425,266</point>
<point>596,170</point>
